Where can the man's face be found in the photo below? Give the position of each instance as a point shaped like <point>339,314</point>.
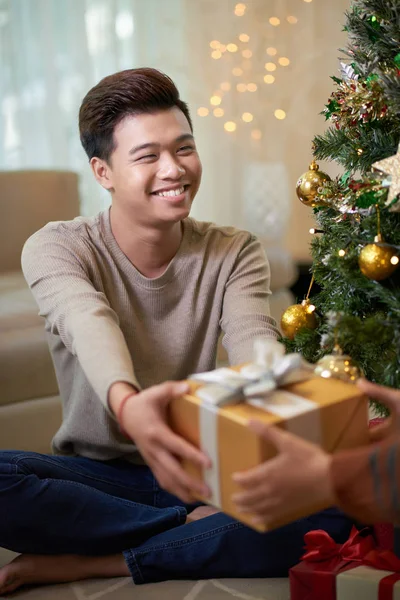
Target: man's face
<point>154,171</point>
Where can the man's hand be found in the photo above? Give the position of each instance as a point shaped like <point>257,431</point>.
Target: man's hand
<point>300,471</point>
<point>144,420</point>
<point>391,399</point>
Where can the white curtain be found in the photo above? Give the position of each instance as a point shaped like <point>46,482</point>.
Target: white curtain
<point>53,51</point>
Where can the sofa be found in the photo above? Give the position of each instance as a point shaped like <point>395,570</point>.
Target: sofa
<point>30,407</point>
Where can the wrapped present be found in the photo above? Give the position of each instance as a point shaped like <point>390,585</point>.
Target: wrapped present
<point>276,389</point>
<point>356,569</point>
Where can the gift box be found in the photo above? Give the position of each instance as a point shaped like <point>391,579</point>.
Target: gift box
<point>276,390</point>
<point>356,569</point>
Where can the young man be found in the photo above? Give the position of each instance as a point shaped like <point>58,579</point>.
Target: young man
<point>364,482</point>
<point>132,298</point>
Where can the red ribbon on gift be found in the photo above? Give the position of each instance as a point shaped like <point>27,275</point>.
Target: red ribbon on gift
<point>320,547</point>
<point>333,558</point>
<point>384,560</point>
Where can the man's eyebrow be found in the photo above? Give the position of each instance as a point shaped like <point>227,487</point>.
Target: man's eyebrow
<point>181,138</point>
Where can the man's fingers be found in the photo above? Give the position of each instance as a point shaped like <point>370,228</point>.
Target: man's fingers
<point>257,475</point>
<point>246,501</point>
<point>177,478</point>
<point>184,450</point>
<point>388,396</point>
<point>167,390</point>
<point>277,436</point>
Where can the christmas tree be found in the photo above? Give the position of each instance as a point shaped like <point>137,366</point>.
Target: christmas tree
<point>356,246</point>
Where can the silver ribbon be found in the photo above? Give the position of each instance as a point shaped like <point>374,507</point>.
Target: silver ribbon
<point>270,370</point>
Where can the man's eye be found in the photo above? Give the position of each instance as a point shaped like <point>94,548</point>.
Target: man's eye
<point>147,156</point>
<point>186,148</point>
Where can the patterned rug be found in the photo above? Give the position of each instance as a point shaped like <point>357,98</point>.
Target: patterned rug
<point>123,589</point>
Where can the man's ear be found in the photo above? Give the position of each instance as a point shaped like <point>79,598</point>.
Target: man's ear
<point>102,171</point>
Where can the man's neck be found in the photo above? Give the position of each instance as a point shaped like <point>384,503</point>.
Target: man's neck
<point>150,250</point>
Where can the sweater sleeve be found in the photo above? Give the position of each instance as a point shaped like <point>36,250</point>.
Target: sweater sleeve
<point>367,481</point>
<point>55,270</point>
<point>245,311</point>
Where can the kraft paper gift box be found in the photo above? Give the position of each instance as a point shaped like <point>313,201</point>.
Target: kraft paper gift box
<point>214,416</point>
<point>355,569</point>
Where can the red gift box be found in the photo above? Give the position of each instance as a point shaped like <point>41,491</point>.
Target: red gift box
<point>315,578</point>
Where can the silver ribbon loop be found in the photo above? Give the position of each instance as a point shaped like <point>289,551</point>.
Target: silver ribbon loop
<point>270,370</point>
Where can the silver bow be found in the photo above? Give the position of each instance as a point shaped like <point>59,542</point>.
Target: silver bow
<point>271,368</point>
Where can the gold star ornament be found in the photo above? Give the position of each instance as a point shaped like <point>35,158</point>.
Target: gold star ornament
<point>391,166</point>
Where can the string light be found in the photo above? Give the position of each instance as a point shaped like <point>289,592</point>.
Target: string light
<point>247,53</point>
<point>240,9</point>
<point>215,100</point>
<point>230,126</point>
<point>225,86</point>
<point>241,87</point>
<point>272,51</point>
<point>215,44</point>
<point>314,231</point>
<point>270,66</point>
<point>394,260</point>
<point>247,117</point>
<point>216,54</point>
<point>280,114</point>
<point>274,21</point>
<point>243,37</point>
<point>269,78</point>
<point>292,20</point>
<point>232,48</point>
<point>252,87</point>
<point>202,111</point>
<point>341,252</point>
<point>283,61</point>
<point>256,134</point>
<point>237,71</point>
<point>218,112</point>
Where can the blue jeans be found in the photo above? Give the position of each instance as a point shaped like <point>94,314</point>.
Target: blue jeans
<point>75,505</point>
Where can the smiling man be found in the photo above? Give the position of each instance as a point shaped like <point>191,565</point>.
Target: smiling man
<point>134,300</point>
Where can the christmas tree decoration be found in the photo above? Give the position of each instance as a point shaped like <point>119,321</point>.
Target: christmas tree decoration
<point>308,185</point>
<point>391,166</point>
<point>338,366</point>
<point>299,316</point>
<point>379,260</point>
<point>351,260</point>
<point>296,317</point>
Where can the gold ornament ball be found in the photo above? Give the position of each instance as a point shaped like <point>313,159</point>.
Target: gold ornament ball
<point>375,261</point>
<point>296,317</point>
<point>308,184</point>
<point>338,366</point>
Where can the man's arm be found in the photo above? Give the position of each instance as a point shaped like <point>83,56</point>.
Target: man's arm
<point>76,311</point>
<point>245,312</point>
<point>89,329</point>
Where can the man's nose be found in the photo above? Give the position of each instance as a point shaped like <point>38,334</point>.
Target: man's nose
<point>171,169</point>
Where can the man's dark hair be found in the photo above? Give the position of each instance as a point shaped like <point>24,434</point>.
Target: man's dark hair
<point>131,92</point>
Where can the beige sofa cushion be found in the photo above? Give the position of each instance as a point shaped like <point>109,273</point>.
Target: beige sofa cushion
<point>26,368</point>
<point>29,200</point>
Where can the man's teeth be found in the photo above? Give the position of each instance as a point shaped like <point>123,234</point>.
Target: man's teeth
<point>172,192</point>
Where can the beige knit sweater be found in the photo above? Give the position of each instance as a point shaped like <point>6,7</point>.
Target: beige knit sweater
<point>106,322</point>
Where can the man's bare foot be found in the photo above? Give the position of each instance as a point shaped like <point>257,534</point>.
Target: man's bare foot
<point>200,512</point>
<point>35,568</point>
